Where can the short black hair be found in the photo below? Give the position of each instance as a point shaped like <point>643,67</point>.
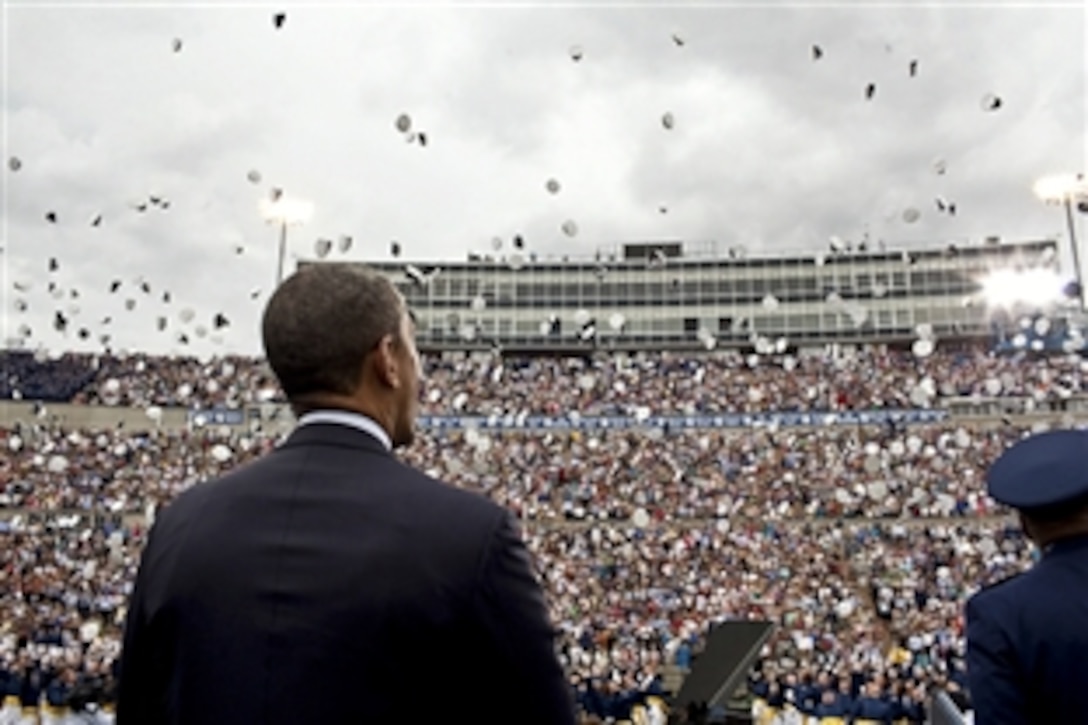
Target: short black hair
<point>321,323</point>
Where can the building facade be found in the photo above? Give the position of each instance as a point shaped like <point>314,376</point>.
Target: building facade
<point>651,296</point>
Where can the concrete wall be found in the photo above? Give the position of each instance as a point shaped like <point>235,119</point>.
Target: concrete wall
<point>89,416</point>
<point>276,418</point>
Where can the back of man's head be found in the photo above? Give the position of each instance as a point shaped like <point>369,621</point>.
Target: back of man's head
<point>321,323</point>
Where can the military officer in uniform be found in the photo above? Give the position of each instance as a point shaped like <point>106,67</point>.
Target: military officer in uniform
<point>1027,637</point>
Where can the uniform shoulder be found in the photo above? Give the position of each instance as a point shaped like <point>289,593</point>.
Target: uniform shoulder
<point>1000,587</point>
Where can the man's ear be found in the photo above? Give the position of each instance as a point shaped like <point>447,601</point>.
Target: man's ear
<point>386,363</point>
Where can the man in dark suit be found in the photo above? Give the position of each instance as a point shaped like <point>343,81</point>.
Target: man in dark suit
<point>328,582</point>
<point>1027,637</point>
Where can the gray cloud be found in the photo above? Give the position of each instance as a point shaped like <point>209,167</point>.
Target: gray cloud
<point>769,149</point>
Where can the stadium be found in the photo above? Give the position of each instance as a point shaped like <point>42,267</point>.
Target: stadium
<point>729,307</point>
<point>739,499</point>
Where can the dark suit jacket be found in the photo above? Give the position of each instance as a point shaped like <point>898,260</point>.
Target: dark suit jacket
<point>330,583</point>
<point>1027,642</point>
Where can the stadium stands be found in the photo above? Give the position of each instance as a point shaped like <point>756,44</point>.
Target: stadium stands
<point>861,542</point>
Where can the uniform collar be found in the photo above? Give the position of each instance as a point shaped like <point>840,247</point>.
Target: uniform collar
<point>354,420</point>
<point>1067,545</point>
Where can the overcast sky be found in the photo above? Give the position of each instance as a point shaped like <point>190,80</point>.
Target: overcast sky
<point>769,148</point>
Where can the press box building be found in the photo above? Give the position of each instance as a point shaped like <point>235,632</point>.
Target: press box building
<point>659,296</point>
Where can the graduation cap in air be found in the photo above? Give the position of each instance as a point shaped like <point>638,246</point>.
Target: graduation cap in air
<point>588,331</point>
<point>84,333</point>
<point>552,185</point>
<point>51,217</point>
<point>913,68</point>
<point>991,102</point>
<point>176,45</point>
<point>130,304</point>
<point>115,285</point>
<point>394,248</point>
<point>322,247</point>
<point>668,121</point>
<point>870,91</point>
<point>569,228</point>
<point>817,52</point>
<point>160,323</point>
<point>220,321</point>
<point>97,220</point>
<point>518,242</point>
<point>678,40</point>
<point>422,137</point>
<point>14,163</point>
<point>53,264</point>
<point>60,322</point>
<point>344,243</point>
<point>278,20</point>
<point>21,306</point>
<point>418,276</point>
<point>576,53</point>
<point>403,123</point>
<point>146,287</point>
<point>254,176</point>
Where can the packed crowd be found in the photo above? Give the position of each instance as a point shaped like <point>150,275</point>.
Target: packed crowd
<point>660,383</point>
<point>643,539</point>
<point>642,544</point>
<point>559,476</point>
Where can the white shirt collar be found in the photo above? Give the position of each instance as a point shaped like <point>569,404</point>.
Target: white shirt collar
<point>348,418</point>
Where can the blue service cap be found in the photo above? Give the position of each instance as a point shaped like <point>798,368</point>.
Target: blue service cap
<point>1042,471</point>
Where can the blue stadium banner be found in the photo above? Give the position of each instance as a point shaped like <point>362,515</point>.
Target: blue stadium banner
<point>680,422</point>
<point>217,416</point>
